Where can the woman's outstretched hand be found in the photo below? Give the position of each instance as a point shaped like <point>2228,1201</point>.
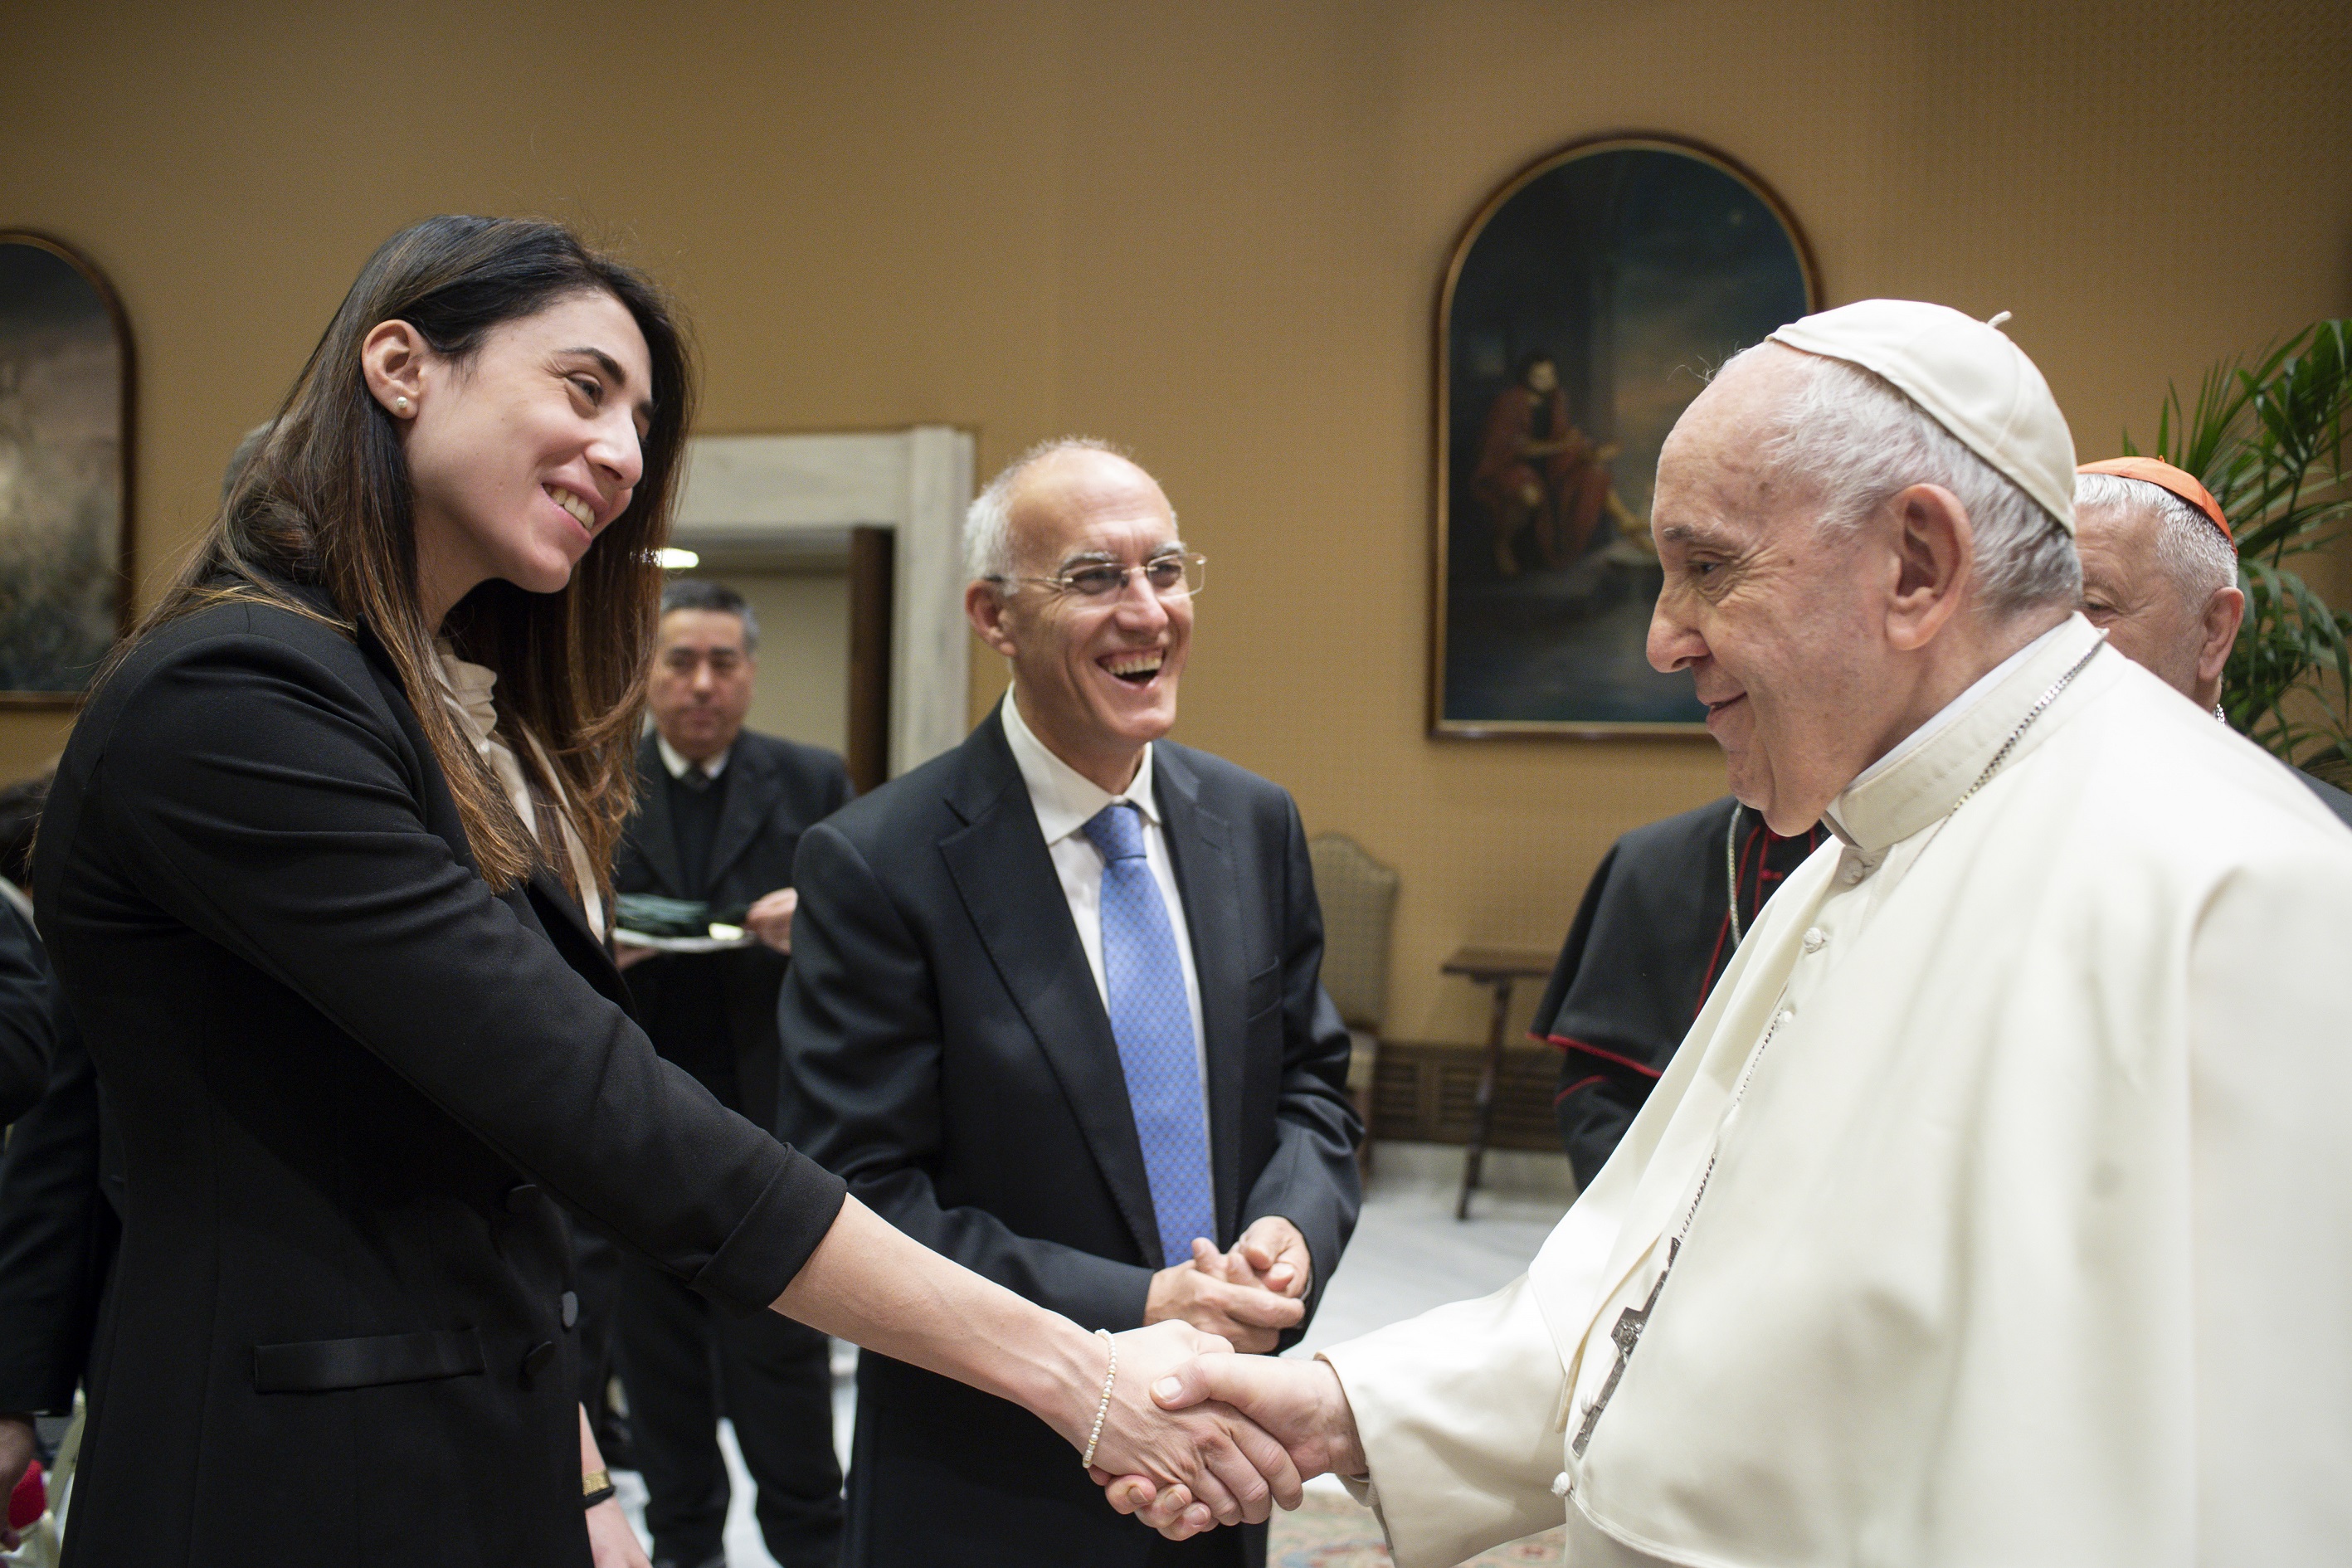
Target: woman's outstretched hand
<point>1200,1464</point>
<point>1300,1402</point>
<point>1196,1465</point>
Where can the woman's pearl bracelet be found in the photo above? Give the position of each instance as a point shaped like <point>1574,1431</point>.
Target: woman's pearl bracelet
<point>1102,1409</point>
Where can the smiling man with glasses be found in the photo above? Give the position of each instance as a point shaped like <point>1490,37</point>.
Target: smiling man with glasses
<point>1054,1011</point>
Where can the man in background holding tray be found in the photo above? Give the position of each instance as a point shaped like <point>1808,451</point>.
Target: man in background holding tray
<point>720,810</point>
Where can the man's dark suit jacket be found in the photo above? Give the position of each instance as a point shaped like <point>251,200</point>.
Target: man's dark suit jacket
<point>61,1196</point>
<point>25,1032</point>
<point>774,790</point>
<point>57,1225</point>
<point>350,1081</point>
<point>60,1202</point>
<point>954,1062</point>
<point>2335,799</point>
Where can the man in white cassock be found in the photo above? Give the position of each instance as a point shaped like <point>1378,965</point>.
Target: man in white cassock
<point>1998,1209</point>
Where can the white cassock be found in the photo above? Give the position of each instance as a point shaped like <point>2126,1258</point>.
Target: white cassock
<point>2012,1173</point>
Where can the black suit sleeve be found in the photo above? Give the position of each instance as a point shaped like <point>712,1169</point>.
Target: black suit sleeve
<point>1311,1178</point>
<point>1594,1109</point>
<point>23,1016</point>
<point>258,798</point>
<point>1598,1098</point>
<point>859,1017</point>
<point>57,1235</point>
<point>1602,1084</point>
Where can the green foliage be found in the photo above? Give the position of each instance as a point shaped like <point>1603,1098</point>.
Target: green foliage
<point>2267,438</point>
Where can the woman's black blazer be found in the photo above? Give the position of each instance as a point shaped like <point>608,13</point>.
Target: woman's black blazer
<point>350,1081</point>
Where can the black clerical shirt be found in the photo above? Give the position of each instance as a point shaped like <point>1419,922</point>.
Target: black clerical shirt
<point>696,803</point>
<point>693,1030</point>
<point>1652,936</point>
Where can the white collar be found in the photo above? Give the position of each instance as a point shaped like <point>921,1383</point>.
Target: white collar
<point>1917,783</point>
<point>468,688</point>
<point>1066,799</point>
<point>472,690</point>
<point>1951,711</point>
<point>675,761</point>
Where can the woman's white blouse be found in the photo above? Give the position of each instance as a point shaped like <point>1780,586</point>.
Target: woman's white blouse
<point>466,687</point>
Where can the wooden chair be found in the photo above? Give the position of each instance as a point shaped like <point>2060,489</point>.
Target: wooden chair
<point>1358,897</point>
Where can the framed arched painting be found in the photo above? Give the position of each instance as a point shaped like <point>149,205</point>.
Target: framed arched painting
<point>1583,308</point>
<point>64,471</point>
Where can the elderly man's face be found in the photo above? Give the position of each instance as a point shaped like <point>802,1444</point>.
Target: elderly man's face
<point>1097,680</point>
<point>2147,617</point>
<point>1774,621</point>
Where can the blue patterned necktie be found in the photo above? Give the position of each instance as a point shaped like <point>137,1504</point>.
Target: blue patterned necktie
<point>1153,1023</point>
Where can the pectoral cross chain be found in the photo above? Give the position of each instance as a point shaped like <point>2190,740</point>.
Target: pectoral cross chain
<point>1625,1336</point>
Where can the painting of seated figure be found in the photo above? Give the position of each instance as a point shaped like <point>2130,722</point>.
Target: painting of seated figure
<point>1584,307</point>
<point>65,376</point>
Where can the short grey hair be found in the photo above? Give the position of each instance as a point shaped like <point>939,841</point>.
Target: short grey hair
<point>988,521</point>
<point>2190,549</point>
<point>706,594</point>
<point>1857,441</point>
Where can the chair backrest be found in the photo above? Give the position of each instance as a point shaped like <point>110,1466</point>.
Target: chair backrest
<point>1358,897</point>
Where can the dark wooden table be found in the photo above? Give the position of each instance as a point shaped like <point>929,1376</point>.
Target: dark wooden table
<point>1498,969</point>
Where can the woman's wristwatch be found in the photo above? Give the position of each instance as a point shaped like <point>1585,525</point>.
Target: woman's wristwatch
<point>595,1487</point>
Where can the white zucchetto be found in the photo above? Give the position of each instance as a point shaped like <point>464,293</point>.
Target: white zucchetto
<point>1967,375</point>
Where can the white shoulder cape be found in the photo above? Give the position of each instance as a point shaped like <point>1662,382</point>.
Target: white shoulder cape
<point>2030,1240</point>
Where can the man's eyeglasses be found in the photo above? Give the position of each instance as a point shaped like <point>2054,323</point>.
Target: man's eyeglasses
<point>1171,576</point>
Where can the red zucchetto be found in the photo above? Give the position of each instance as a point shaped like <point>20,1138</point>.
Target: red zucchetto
<point>2165,477</point>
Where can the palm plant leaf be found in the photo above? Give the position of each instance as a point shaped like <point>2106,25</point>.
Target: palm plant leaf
<point>2267,437</point>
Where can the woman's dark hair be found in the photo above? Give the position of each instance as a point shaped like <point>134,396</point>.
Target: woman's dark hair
<point>326,502</point>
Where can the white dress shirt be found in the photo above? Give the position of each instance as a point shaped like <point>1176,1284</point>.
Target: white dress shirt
<point>675,761</point>
<point>1065,801</point>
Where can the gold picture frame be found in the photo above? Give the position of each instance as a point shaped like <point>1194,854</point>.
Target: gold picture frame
<point>66,505</point>
<point>1631,263</point>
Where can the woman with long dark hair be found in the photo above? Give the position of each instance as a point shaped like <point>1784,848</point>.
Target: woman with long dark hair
<point>323,876</point>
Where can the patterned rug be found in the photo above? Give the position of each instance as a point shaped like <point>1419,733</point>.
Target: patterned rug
<point>1333,1531</point>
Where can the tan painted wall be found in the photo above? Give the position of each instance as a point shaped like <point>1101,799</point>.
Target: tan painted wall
<point>1211,231</point>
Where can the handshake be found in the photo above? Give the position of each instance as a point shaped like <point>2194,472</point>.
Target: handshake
<point>1192,1435</point>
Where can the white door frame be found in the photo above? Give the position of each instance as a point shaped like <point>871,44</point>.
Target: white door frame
<point>806,492</point>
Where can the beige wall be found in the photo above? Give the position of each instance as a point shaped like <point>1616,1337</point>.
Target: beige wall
<point>1211,231</point>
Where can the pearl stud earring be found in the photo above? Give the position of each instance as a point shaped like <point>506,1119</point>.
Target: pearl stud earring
<point>400,407</point>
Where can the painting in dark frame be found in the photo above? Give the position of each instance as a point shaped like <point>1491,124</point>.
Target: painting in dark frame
<point>64,471</point>
<point>1582,309</point>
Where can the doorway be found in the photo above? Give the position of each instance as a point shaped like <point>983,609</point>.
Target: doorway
<point>849,549</point>
<point>824,612</point>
